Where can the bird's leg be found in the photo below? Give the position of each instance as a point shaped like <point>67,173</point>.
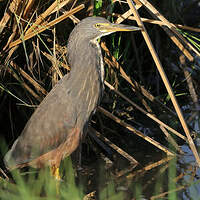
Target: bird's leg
<point>55,172</point>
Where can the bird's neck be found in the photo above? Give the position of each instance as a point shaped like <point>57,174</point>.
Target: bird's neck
<point>84,55</point>
<point>86,63</point>
<point>96,45</point>
<point>86,76</point>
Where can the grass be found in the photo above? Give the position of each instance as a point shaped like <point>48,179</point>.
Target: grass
<point>33,185</point>
<point>193,39</point>
<point>164,182</point>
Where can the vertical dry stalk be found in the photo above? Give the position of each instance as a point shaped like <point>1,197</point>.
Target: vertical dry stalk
<point>165,80</point>
<point>191,87</point>
<point>144,112</point>
<point>135,131</point>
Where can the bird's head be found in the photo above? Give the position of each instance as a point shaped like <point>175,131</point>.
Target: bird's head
<point>90,29</point>
<point>96,27</point>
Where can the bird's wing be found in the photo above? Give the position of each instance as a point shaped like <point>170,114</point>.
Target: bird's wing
<point>49,125</point>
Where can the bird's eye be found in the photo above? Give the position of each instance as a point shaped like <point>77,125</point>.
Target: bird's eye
<point>97,25</point>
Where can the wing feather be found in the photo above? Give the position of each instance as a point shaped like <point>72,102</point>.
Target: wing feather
<point>49,125</point>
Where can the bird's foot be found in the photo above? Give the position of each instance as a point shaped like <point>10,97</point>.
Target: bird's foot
<point>55,172</point>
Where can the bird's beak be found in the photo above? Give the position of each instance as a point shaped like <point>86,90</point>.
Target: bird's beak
<point>118,27</point>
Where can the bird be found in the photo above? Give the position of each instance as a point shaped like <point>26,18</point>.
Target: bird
<point>57,125</point>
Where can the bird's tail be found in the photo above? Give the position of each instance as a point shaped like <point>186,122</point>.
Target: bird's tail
<point>9,160</point>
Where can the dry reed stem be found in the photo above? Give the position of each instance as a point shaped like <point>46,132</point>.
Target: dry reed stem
<point>125,171</point>
<point>10,52</point>
<point>178,44</point>
<point>41,29</point>
<point>4,174</point>
<point>50,57</point>
<point>13,7</point>
<point>56,72</point>
<point>169,137</point>
<point>145,112</point>
<point>187,28</point>
<point>191,86</point>
<point>171,140</point>
<point>165,80</point>
<point>127,78</point>
<point>124,16</point>
<point>115,147</point>
<point>12,36</point>
<point>37,86</point>
<point>40,19</point>
<point>155,13</point>
<point>36,96</point>
<point>28,8</point>
<point>189,80</point>
<point>127,15</point>
<point>138,3</point>
<point>171,27</point>
<point>149,167</point>
<point>132,129</point>
<point>135,85</point>
<point>119,20</point>
<point>101,144</point>
<point>159,196</point>
<point>59,6</point>
<point>155,176</point>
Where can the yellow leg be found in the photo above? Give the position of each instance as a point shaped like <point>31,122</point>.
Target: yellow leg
<point>55,172</point>
<point>56,175</point>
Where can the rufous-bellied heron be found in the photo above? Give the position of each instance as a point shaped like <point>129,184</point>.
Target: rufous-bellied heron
<point>55,128</point>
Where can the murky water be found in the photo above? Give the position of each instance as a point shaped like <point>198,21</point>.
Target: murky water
<point>157,176</point>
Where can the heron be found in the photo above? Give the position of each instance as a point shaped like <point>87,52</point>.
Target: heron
<point>55,128</point>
